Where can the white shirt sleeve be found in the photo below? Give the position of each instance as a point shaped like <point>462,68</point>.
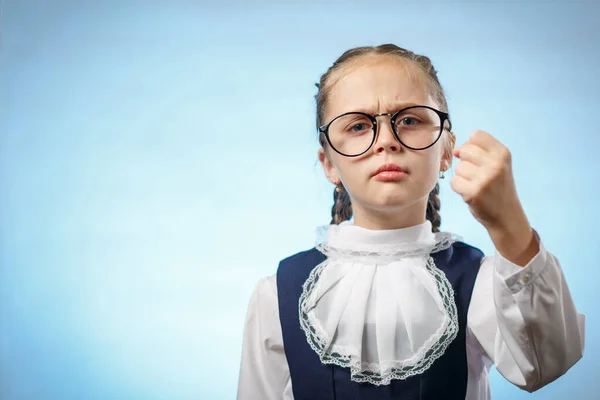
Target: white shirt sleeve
<point>524,319</point>
<point>264,372</point>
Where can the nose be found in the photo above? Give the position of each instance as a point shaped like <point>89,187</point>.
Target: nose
<point>385,139</point>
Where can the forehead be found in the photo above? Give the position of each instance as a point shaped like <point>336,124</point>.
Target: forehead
<point>378,84</point>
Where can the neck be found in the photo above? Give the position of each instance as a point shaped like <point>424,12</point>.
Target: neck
<point>387,218</point>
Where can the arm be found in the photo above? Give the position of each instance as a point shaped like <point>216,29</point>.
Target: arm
<point>524,319</point>
<point>264,372</point>
<point>521,312</point>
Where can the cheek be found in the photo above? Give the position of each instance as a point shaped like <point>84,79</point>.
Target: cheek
<point>426,167</point>
<point>351,173</point>
<point>433,163</point>
<point>354,174</point>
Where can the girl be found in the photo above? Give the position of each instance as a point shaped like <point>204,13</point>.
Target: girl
<point>387,306</point>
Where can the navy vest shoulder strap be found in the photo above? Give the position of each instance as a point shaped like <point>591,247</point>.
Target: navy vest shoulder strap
<point>291,275</point>
<point>447,378</point>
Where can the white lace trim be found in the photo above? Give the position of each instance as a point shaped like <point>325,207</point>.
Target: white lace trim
<point>350,280</point>
<point>385,253</point>
<point>380,373</point>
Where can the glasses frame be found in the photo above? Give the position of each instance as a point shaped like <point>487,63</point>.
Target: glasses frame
<point>324,129</point>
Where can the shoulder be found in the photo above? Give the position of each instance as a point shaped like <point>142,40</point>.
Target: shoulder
<point>266,287</point>
<point>293,271</point>
<point>264,297</point>
<point>465,248</point>
<point>460,256</point>
<point>310,253</point>
<point>309,257</point>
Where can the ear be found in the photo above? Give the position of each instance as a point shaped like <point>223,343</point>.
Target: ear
<point>447,152</point>
<point>330,170</point>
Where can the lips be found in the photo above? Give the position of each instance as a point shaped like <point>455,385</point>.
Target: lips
<point>389,172</point>
<point>389,168</point>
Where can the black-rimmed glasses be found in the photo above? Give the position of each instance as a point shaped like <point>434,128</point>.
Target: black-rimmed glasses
<point>353,133</point>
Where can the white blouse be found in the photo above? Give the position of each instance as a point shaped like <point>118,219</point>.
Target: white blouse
<point>522,319</point>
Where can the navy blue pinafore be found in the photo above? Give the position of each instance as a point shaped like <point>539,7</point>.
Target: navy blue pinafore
<point>446,379</point>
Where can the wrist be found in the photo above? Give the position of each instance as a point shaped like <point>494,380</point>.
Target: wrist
<point>515,240</point>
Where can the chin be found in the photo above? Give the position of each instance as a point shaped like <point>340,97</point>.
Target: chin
<point>390,197</point>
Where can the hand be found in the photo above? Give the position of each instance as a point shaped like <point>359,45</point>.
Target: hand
<point>485,181</point>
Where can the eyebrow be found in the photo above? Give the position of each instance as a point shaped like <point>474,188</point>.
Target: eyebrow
<point>396,107</point>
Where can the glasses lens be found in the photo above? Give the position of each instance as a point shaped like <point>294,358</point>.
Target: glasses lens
<point>351,134</point>
<point>418,127</point>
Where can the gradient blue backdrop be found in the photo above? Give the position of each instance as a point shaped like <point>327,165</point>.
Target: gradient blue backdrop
<point>158,159</point>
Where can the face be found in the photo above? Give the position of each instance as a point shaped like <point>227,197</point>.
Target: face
<point>384,85</point>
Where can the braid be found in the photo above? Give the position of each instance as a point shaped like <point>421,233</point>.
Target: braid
<point>433,208</point>
<point>342,208</point>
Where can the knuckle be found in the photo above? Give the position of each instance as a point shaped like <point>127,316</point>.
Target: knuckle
<point>497,167</point>
<point>454,182</point>
<point>478,134</point>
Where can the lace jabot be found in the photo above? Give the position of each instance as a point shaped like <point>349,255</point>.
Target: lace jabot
<point>378,305</point>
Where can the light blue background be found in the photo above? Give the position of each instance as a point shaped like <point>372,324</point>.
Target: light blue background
<point>157,160</point>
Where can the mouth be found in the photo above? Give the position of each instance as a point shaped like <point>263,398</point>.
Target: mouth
<point>389,172</point>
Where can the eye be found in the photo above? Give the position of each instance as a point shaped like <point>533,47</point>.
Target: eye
<point>357,124</point>
<point>351,124</point>
<point>360,127</point>
<point>408,121</point>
